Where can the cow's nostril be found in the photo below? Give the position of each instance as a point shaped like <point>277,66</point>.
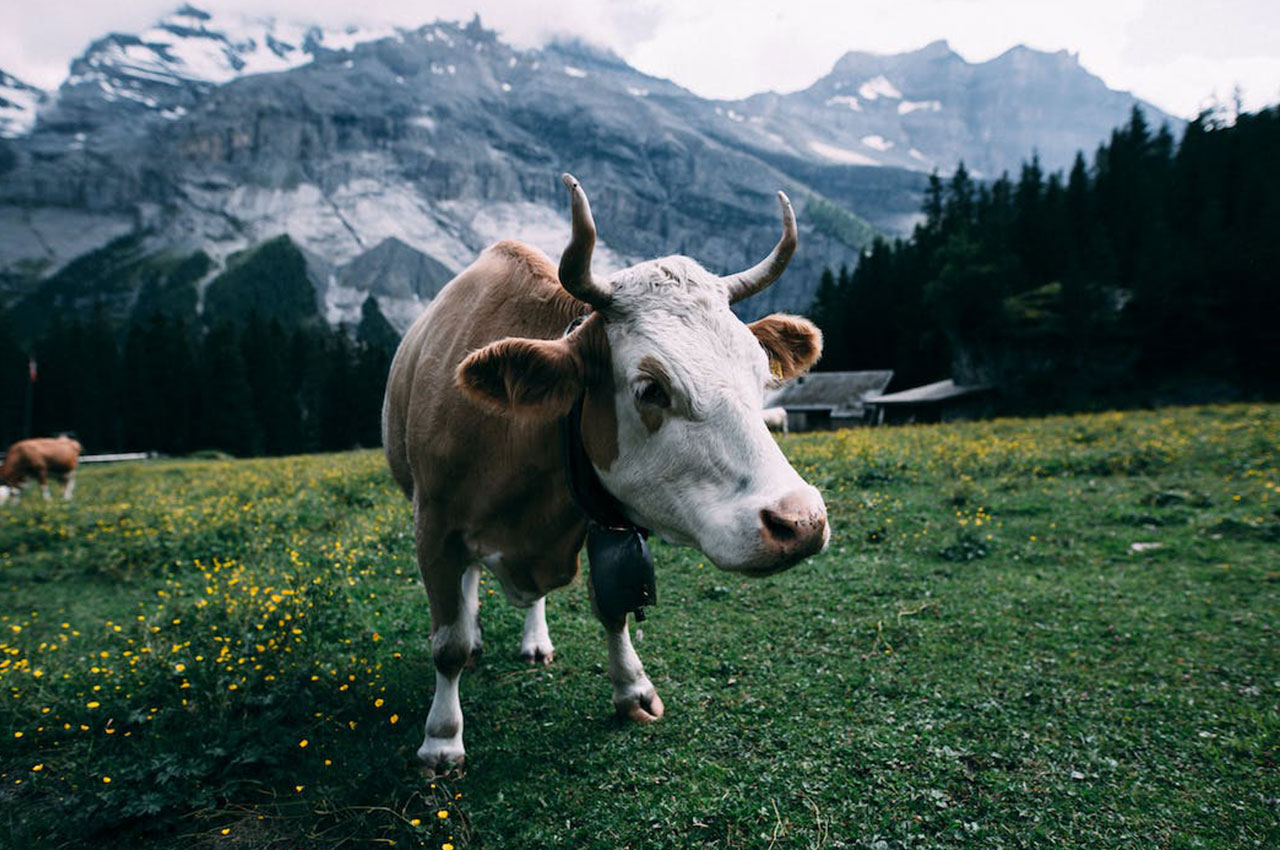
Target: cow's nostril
<point>778,528</point>
<point>793,528</point>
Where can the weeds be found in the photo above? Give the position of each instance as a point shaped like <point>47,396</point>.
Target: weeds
<point>235,654</point>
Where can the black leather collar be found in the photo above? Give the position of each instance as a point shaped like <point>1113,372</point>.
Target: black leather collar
<point>588,491</point>
<point>622,576</point>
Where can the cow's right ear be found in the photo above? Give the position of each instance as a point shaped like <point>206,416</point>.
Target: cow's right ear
<point>793,344</point>
<point>538,378</point>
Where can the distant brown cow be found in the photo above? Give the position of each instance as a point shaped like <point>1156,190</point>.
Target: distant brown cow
<point>40,458</point>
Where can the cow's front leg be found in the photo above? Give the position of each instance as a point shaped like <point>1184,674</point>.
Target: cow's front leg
<point>535,643</point>
<point>471,611</point>
<point>68,486</point>
<point>633,693</point>
<point>455,641</point>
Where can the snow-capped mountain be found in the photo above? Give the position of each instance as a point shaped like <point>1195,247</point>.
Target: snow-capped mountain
<point>191,46</point>
<point>18,104</point>
<point>164,71</point>
<point>929,108</point>
<point>390,162</point>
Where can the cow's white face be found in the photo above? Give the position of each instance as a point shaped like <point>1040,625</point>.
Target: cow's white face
<point>695,461</point>
<point>673,385</point>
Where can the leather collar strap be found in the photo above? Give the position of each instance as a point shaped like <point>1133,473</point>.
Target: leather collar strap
<point>588,492</point>
<point>585,486</point>
<point>622,577</point>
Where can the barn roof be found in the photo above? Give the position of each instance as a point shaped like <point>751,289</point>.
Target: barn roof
<point>928,393</point>
<point>841,393</point>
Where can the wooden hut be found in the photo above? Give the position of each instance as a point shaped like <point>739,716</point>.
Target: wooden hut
<point>825,400</point>
<point>941,401</point>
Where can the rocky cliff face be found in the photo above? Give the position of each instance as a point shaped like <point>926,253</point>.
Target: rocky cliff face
<point>18,104</point>
<point>401,279</point>
<point>929,109</point>
<point>390,160</point>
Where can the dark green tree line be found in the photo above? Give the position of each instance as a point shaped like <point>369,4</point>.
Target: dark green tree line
<point>161,384</point>
<point>1150,275</point>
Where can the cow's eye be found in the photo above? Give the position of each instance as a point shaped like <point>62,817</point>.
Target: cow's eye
<point>652,393</point>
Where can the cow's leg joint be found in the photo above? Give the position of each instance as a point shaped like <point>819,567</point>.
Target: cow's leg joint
<point>442,746</point>
<point>634,696</point>
<point>535,643</point>
<point>454,645</point>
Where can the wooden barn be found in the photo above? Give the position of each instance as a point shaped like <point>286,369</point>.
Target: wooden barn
<point>941,401</point>
<point>825,400</point>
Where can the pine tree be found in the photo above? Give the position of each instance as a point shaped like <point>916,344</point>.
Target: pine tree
<point>227,417</point>
<point>265,347</point>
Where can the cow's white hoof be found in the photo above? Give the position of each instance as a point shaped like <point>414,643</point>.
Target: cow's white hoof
<point>537,652</point>
<point>438,755</point>
<point>641,705</point>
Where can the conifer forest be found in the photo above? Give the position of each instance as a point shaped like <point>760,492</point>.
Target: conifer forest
<point>1149,276</point>
<point>1145,275</point>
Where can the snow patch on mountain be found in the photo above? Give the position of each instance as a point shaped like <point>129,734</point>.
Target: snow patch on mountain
<point>844,156</point>
<point>18,104</point>
<point>877,87</point>
<point>379,210</point>
<point>193,46</point>
<point>879,143</point>
<point>337,226</point>
<point>846,100</point>
<point>545,228</point>
<point>348,37</point>
<point>342,303</point>
<point>909,106</point>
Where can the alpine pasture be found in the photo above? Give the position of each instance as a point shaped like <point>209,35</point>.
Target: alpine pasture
<point>1025,633</point>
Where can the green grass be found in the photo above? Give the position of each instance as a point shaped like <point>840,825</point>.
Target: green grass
<point>981,659</point>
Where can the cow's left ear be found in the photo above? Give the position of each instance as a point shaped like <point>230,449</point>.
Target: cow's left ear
<point>539,378</point>
<point>792,343</point>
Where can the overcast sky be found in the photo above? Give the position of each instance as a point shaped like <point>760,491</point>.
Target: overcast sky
<point>1176,53</point>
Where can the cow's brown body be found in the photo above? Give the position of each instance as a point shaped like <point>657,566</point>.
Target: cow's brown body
<point>41,458</point>
<point>670,383</point>
<point>483,484</point>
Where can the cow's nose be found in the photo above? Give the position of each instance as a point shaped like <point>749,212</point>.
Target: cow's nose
<point>795,526</point>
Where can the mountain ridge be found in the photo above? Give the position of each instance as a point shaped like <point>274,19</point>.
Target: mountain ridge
<point>19,102</point>
<point>445,138</point>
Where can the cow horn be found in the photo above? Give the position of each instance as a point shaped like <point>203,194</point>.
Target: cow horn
<point>575,262</point>
<point>756,278</point>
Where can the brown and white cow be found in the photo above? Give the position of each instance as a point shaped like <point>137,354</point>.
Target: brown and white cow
<point>672,386</point>
<point>40,458</point>
<point>775,419</point>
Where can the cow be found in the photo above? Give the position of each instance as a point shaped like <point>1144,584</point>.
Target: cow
<point>775,418</point>
<point>666,385</point>
<point>40,458</point>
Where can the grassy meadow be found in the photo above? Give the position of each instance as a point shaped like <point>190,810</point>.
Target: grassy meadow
<point>1025,633</point>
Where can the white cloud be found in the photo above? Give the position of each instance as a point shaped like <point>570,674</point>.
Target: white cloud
<point>1173,52</point>
<point>1169,30</point>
